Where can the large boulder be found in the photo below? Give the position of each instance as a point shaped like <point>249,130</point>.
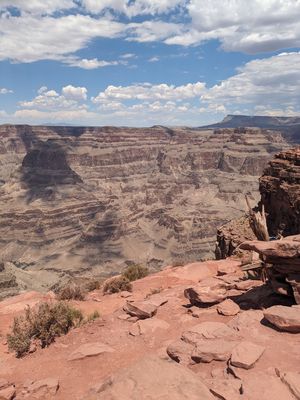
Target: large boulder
<point>153,379</point>
<point>208,291</point>
<point>140,309</point>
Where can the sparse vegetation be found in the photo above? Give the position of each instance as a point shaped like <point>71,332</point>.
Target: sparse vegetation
<point>154,291</point>
<point>71,292</point>
<point>135,272</point>
<point>93,316</point>
<point>93,284</point>
<point>42,324</point>
<point>117,284</point>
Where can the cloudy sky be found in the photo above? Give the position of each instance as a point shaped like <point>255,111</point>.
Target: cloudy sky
<point>146,62</point>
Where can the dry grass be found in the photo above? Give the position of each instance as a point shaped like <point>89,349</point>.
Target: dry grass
<point>117,284</point>
<point>71,292</point>
<point>42,324</point>
<point>135,272</point>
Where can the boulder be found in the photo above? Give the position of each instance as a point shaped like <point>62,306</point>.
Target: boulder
<point>211,290</point>
<point>140,309</point>
<point>284,318</point>
<point>289,247</point>
<point>228,308</point>
<point>245,355</point>
<point>90,350</point>
<point>153,379</point>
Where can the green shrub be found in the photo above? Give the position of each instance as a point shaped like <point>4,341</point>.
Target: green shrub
<point>135,272</point>
<point>44,324</point>
<point>71,292</point>
<point>117,284</point>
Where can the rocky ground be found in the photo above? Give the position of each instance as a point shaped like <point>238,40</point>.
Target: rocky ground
<point>202,331</point>
<point>82,202</point>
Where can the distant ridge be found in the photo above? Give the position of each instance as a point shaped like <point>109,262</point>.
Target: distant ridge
<point>290,126</point>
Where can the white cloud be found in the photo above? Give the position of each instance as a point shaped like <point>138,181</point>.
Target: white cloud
<point>153,59</point>
<point>38,6</point>
<point>92,63</point>
<point>5,91</point>
<point>127,56</point>
<point>146,91</point>
<point>268,84</point>
<point>74,93</point>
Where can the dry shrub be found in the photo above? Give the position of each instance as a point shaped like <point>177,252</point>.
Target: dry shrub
<point>135,272</point>
<point>93,316</point>
<point>117,284</point>
<point>93,284</point>
<point>154,291</point>
<point>71,292</point>
<point>42,324</point>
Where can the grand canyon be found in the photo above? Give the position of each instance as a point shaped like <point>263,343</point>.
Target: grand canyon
<point>82,202</point>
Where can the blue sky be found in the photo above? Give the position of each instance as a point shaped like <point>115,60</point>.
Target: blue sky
<point>146,62</point>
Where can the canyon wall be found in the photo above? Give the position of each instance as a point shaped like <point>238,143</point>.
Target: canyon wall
<point>88,201</point>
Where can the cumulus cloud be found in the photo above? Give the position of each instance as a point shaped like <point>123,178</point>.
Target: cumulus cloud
<point>74,93</point>
<point>92,63</point>
<point>267,85</point>
<point>5,91</point>
<point>38,6</point>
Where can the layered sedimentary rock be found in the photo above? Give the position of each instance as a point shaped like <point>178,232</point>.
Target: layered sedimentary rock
<point>83,201</point>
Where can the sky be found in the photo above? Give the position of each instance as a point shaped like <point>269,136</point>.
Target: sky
<point>147,62</point>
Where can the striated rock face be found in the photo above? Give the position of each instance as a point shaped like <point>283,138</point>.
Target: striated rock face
<point>280,193</point>
<point>86,201</point>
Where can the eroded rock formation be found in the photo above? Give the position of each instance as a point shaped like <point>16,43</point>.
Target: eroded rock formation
<point>86,201</point>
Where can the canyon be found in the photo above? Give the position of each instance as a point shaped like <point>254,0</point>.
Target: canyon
<point>83,202</point>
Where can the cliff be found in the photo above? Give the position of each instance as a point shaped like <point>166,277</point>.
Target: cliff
<point>87,201</point>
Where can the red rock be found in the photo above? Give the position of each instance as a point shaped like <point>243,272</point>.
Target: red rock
<point>245,355</point>
<point>43,388</point>
<point>225,389</point>
<point>209,330</point>
<point>140,309</point>
<point>247,284</point>
<point>246,320</point>
<point>228,268</point>
<point>125,294</point>
<point>90,350</point>
<point>180,352</point>
<point>211,290</point>
<point>7,393</point>
<point>262,386</point>
<point>228,307</point>
<point>284,318</point>
<point>4,383</point>
<point>292,381</point>
<point>289,247</point>
<point>213,349</point>
<point>157,300</point>
<point>153,379</point>
<point>148,326</point>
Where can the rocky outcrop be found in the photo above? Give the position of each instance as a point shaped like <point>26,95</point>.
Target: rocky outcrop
<point>86,201</point>
<point>280,193</point>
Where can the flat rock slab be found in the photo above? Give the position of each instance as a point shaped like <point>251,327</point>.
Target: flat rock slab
<point>158,300</point>
<point>262,386</point>
<point>43,388</point>
<point>213,349</point>
<point>140,309</point>
<point>225,389</point>
<point>208,291</point>
<point>284,318</point>
<point>148,326</point>
<point>292,381</point>
<point>90,350</point>
<point>289,247</point>
<point>209,330</point>
<point>180,352</point>
<point>153,379</point>
<point>228,308</point>
<point>245,355</point>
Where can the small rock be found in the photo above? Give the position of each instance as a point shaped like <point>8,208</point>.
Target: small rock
<point>247,284</point>
<point>180,352</point>
<point>209,350</point>
<point>210,290</point>
<point>246,320</point>
<point>7,393</point>
<point>228,308</point>
<point>140,309</point>
<point>90,350</point>
<point>284,318</point>
<point>245,355</point>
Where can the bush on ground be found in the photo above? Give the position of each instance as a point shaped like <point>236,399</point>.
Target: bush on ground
<point>93,316</point>
<point>135,272</point>
<point>71,292</point>
<point>43,324</point>
<point>117,284</point>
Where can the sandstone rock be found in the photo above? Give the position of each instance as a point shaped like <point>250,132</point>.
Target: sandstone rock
<point>43,388</point>
<point>246,320</point>
<point>4,383</point>
<point>209,330</point>
<point>209,290</point>
<point>125,294</point>
<point>158,300</point>
<point>90,350</point>
<point>213,349</point>
<point>148,326</point>
<point>245,355</point>
<point>262,386</point>
<point>248,284</point>
<point>284,318</point>
<point>140,309</point>
<point>225,389</point>
<point>292,381</point>
<point>153,379</point>
<point>180,352</point>
<point>228,307</point>
<point>288,247</point>
<point>224,269</point>
<point>7,393</point>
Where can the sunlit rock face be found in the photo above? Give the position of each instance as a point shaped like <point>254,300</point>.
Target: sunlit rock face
<point>86,201</point>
